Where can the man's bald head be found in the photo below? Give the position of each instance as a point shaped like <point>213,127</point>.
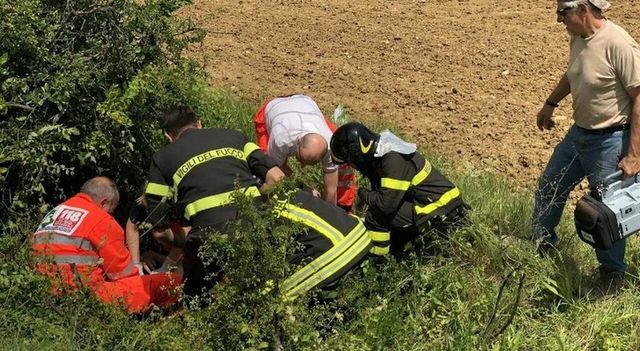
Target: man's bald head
<point>103,191</point>
<point>312,148</point>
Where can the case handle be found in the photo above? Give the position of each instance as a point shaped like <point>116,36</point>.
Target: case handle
<point>617,175</point>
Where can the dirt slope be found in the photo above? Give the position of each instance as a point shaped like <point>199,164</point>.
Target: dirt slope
<point>462,77</point>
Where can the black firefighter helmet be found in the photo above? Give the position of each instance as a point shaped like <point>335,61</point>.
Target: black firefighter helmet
<point>355,144</point>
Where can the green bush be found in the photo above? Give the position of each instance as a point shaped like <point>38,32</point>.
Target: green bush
<point>247,309</point>
<point>83,86</point>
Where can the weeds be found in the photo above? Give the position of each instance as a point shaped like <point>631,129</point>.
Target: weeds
<point>483,289</point>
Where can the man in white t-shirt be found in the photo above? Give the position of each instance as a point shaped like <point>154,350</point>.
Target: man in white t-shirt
<point>294,126</point>
<point>603,78</point>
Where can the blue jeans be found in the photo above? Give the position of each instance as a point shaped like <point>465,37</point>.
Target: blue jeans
<point>577,156</point>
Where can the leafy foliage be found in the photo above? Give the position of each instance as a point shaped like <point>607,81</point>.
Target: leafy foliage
<point>246,309</point>
<point>83,86</point>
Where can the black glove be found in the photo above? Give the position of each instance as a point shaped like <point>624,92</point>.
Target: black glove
<point>363,194</point>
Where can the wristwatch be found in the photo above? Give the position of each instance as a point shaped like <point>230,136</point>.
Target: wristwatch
<point>551,103</point>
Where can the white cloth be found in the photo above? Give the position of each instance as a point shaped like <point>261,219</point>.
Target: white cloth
<point>389,142</point>
<point>603,5</point>
<point>287,119</point>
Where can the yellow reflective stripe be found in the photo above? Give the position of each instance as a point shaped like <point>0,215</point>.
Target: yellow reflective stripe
<point>202,158</point>
<point>325,258</point>
<point>327,264</point>
<point>331,269</point>
<point>157,189</point>
<point>216,201</point>
<point>423,174</point>
<point>379,236</point>
<point>379,250</point>
<point>442,201</point>
<point>310,219</point>
<point>403,185</point>
<point>249,148</point>
<point>395,184</point>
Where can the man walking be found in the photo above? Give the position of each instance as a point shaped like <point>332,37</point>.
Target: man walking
<point>603,77</point>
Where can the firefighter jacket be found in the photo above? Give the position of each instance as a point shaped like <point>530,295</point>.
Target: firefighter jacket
<point>83,244</point>
<point>407,191</point>
<point>332,242</point>
<point>200,172</point>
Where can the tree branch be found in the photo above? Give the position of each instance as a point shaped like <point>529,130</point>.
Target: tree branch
<point>20,106</point>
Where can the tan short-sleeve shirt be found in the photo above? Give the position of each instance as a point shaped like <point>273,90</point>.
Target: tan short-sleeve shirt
<point>602,68</point>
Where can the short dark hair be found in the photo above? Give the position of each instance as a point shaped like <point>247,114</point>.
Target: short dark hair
<point>177,119</point>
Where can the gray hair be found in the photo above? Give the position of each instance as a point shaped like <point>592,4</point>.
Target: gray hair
<point>99,188</point>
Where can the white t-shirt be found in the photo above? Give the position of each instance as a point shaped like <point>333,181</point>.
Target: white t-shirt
<point>288,119</point>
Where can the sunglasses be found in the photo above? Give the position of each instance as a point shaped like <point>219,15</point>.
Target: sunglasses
<point>562,12</point>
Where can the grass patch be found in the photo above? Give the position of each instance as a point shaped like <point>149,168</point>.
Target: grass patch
<point>444,300</point>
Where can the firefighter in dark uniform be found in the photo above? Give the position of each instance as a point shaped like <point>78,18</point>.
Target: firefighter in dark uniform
<point>408,195</point>
<point>332,242</point>
<point>198,172</point>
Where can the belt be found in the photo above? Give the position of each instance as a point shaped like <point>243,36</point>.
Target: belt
<point>607,130</point>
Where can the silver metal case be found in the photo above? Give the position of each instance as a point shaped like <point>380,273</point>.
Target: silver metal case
<point>623,198</point>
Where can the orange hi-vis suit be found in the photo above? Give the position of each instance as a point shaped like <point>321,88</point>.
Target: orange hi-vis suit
<point>79,244</point>
<point>347,188</point>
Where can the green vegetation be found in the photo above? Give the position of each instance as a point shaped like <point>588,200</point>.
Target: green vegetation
<point>83,85</point>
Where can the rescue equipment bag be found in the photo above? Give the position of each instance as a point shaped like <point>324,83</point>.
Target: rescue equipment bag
<point>610,212</point>
<point>596,223</point>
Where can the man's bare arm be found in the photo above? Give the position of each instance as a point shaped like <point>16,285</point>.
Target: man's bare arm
<point>561,90</point>
<point>132,238</point>
<point>330,190</point>
<point>630,164</point>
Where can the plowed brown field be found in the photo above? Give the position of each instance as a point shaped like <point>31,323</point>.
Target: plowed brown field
<point>464,78</point>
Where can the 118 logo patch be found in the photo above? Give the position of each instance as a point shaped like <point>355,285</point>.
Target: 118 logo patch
<point>63,220</point>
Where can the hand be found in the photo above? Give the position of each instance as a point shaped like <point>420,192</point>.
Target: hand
<point>359,206</point>
<point>311,190</point>
<point>362,195</point>
<point>273,176</point>
<point>146,269</point>
<point>140,268</point>
<point>168,265</point>
<point>630,165</point>
<point>151,260</point>
<point>544,120</point>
